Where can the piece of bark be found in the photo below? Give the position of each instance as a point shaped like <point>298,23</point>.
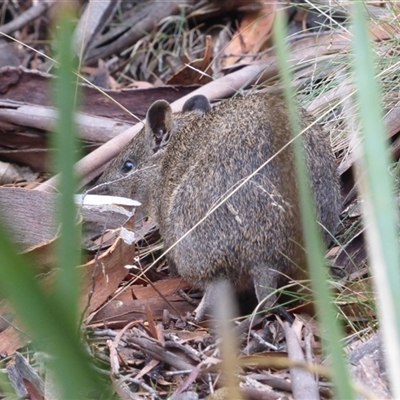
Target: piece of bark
<point>24,146</point>
<point>107,216</point>
<point>185,396</point>
<point>255,394</point>
<point>392,121</point>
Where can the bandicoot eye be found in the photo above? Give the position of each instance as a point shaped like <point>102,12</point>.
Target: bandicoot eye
<point>127,166</point>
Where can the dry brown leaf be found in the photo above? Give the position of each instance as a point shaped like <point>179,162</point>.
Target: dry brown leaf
<point>252,34</point>
<point>167,287</point>
<point>382,31</point>
<point>196,71</point>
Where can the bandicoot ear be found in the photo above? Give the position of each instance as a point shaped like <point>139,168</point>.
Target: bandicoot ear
<point>159,124</point>
<point>197,103</point>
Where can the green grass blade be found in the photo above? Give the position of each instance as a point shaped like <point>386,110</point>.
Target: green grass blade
<point>65,141</point>
<point>318,272</point>
<point>377,188</point>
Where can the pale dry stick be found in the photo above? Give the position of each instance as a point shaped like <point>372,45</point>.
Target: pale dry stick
<point>45,118</point>
<point>229,349</point>
<point>303,382</point>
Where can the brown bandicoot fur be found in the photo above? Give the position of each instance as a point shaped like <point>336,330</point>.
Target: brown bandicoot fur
<point>180,166</point>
